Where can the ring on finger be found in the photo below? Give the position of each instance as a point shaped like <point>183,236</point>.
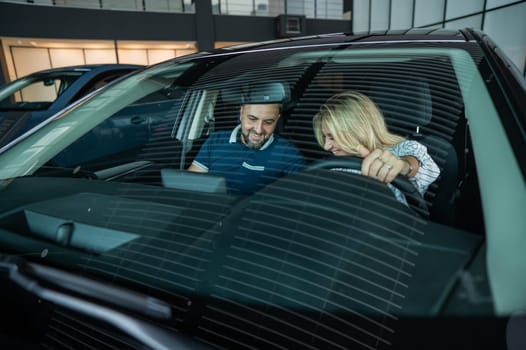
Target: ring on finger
<point>388,166</point>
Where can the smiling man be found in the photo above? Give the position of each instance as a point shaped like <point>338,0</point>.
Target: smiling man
<point>252,155</point>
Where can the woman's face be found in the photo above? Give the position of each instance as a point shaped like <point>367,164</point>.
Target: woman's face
<point>330,144</point>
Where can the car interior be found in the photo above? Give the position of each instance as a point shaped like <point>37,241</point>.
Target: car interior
<point>415,104</point>
<point>418,103</point>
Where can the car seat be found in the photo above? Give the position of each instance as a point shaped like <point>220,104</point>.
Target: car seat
<point>408,109</point>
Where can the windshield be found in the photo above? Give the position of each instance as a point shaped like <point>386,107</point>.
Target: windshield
<point>154,97</point>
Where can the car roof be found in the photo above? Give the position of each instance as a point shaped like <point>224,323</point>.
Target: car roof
<point>87,68</point>
<point>414,35</point>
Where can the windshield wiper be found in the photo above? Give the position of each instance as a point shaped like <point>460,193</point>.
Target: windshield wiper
<point>29,275</point>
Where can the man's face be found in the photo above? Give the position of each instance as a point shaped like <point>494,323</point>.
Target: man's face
<point>258,122</point>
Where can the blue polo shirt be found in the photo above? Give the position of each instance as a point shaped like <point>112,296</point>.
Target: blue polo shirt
<point>247,170</point>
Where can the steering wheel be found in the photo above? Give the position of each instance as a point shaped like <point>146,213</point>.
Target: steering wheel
<point>414,199</point>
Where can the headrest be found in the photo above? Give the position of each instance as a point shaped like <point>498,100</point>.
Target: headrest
<point>408,100</point>
<point>419,92</point>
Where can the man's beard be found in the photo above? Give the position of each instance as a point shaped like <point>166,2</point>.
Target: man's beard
<point>253,145</point>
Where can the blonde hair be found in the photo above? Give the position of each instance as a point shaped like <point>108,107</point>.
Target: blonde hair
<point>353,120</point>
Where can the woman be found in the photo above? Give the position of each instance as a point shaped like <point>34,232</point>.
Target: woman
<point>350,124</point>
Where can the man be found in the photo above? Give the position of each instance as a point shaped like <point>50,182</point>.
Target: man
<point>251,156</point>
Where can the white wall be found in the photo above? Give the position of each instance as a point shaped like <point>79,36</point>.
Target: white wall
<point>27,55</point>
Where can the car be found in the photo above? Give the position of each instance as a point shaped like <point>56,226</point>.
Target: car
<point>29,100</point>
<point>123,247</point>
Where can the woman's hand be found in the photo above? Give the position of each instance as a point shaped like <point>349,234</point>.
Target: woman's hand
<point>384,166</point>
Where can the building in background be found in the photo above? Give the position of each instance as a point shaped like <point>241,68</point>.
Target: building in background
<point>503,20</point>
<point>40,34</point>
<point>319,9</point>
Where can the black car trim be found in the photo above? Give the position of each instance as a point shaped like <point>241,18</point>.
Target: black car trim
<point>148,333</point>
<point>499,80</point>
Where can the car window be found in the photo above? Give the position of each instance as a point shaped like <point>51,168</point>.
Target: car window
<point>100,80</point>
<point>416,89</point>
<point>37,93</point>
